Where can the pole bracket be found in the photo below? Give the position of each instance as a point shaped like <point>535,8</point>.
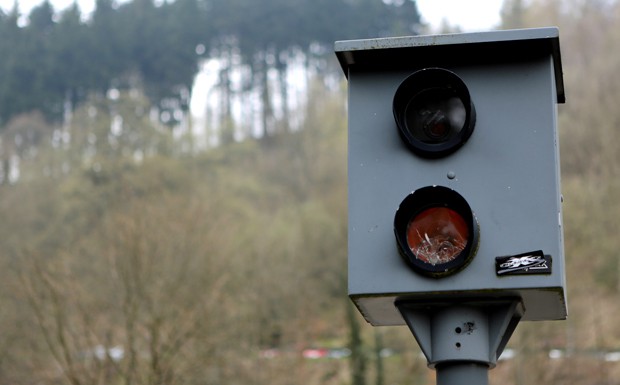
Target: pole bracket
<point>462,332</point>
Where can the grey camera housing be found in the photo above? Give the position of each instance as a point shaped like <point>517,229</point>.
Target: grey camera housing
<point>508,170</point>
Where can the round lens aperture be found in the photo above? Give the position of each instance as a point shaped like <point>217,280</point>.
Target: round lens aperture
<point>436,231</point>
<point>434,112</point>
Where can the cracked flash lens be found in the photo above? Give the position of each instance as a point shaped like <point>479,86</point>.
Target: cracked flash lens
<point>434,112</point>
<point>437,235</point>
<point>436,231</point>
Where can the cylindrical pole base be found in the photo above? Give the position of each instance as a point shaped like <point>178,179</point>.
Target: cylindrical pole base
<point>462,373</point>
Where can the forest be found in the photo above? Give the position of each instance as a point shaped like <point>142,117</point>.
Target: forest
<point>134,253</point>
<point>58,59</point>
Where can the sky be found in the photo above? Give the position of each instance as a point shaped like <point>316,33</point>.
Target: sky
<point>470,15</point>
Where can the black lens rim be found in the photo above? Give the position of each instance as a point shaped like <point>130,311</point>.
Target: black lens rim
<point>422,81</point>
<point>426,198</point>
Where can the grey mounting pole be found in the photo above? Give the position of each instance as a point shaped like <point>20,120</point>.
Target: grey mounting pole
<point>462,340</point>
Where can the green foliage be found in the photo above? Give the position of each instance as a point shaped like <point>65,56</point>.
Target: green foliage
<point>189,263</point>
<point>50,64</point>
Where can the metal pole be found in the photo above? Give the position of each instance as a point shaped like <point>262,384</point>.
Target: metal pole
<point>462,373</point>
<point>462,340</point>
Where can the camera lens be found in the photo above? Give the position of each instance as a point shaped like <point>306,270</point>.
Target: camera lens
<point>435,116</point>
<point>433,111</point>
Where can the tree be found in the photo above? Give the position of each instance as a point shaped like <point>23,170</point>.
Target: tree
<point>72,68</point>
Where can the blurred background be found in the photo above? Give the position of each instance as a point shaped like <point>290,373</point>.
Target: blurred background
<point>173,193</point>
